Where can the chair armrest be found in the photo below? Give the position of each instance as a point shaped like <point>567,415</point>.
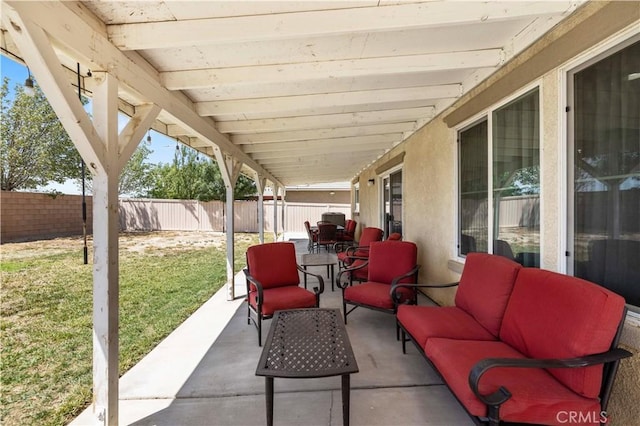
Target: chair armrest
<point>320,279</point>
<point>396,280</point>
<point>255,282</point>
<point>396,297</point>
<point>502,394</point>
<point>342,246</point>
<point>349,270</point>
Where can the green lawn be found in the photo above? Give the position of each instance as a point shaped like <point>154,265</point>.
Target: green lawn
<point>46,300</point>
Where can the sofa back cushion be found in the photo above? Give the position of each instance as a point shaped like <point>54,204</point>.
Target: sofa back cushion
<point>273,264</point>
<point>551,315</point>
<point>485,287</point>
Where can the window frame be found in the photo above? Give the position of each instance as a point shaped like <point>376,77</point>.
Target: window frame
<point>566,125</point>
<point>487,115</point>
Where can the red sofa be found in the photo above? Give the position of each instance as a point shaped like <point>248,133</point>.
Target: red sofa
<point>522,344</point>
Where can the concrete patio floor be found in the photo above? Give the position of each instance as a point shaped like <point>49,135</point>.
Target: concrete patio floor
<point>204,374</point>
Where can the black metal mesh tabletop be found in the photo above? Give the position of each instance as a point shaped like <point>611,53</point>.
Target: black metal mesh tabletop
<point>307,343</point>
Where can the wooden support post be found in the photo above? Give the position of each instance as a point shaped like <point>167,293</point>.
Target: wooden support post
<point>105,257</point>
<point>275,212</point>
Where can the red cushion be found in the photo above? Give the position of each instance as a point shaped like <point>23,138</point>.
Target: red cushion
<point>373,294</point>
<point>424,322</point>
<point>368,236</point>
<point>280,298</point>
<point>345,258</point>
<point>361,274</point>
<point>273,264</point>
<point>485,286</point>
<point>537,397</point>
<point>390,259</point>
<point>573,318</point>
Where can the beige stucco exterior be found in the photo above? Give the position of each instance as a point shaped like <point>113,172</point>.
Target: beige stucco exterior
<point>429,167</point>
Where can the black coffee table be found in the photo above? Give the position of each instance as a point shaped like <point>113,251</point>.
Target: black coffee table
<point>305,344</point>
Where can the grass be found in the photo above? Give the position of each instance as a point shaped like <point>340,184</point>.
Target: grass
<point>46,317</point>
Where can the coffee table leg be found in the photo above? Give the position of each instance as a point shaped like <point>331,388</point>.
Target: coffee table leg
<point>332,277</point>
<point>346,391</point>
<point>305,278</point>
<point>268,385</point>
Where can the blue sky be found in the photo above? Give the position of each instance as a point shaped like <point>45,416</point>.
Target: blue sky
<point>162,146</point>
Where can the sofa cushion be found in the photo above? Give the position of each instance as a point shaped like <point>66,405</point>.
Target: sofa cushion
<point>485,287</point>
<point>537,396</point>
<point>551,315</point>
<point>280,298</point>
<point>273,264</point>
<point>424,322</point>
<point>373,294</point>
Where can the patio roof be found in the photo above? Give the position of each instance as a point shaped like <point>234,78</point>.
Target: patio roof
<point>296,92</point>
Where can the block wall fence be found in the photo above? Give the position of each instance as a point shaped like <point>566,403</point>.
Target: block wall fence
<point>28,216</point>
<point>35,216</point>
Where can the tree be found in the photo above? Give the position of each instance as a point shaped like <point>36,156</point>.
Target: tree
<point>136,178</point>
<point>35,146</point>
<point>190,177</point>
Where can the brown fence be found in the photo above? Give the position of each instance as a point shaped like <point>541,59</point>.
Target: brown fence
<point>33,216</point>
<point>28,216</point>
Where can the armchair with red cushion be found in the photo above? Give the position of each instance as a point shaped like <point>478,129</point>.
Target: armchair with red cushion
<point>389,263</point>
<point>327,235</point>
<point>312,235</point>
<point>349,233</point>
<point>359,251</point>
<point>360,270</point>
<point>273,283</point>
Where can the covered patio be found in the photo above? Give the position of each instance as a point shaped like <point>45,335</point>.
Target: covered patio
<point>204,373</point>
<point>294,93</point>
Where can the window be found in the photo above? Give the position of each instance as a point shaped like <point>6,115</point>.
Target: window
<point>474,189</point>
<point>505,205</point>
<point>604,180</point>
<point>392,203</point>
<point>356,197</point>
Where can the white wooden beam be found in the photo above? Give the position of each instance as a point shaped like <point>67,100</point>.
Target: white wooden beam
<point>72,32</point>
<point>230,170</point>
<point>328,133</point>
<point>260,187</point>
<point>327,160</point>
<point>328,103</point>
<point>335,144</point>
<point>296,87</point>
<point>106,226</point>
<point>352,68</point>
<point>36,49</point>
<point>196,32</point>
<point>134,131</point>
<point>330,120</point>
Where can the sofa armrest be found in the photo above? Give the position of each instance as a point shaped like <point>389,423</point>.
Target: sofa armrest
<point>396,297</point>
<point>319,277</point>
<point>502,394</point>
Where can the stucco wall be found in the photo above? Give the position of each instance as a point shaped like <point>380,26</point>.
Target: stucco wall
<point>429,170</point>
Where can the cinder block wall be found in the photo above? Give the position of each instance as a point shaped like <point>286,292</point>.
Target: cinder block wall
<point>29,216</point>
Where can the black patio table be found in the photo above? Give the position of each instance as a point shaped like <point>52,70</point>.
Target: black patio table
<point>306,344</point>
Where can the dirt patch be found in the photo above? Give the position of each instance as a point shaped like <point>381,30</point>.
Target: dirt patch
<point>139,242</point>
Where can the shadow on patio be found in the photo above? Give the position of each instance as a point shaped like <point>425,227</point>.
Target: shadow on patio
<point>204,374</point>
